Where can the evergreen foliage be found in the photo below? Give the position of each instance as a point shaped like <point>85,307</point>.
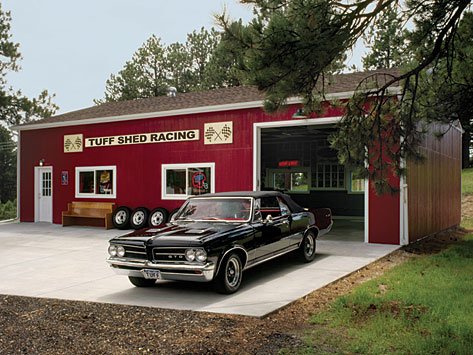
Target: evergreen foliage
<point>7,165</point>
<point>7,210</point>
<point>15,108</point>
<point>386,41</point>
<point>199,64</point>
<point>290,47</point>
<point>446,90</point>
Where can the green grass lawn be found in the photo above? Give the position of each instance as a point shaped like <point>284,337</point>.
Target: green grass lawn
<point>424,306</point>
<point>467,189</point>
<point>467,181</point>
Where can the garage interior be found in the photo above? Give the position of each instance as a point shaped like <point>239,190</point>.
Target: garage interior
<point>299,161</point>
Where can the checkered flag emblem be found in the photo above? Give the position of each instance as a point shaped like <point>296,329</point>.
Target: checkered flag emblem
<point>209,133</point>
<point>218,133</point>
<point>73,143</point>
<point>68,144</point>
<point>78,143</point>
<point>226,132</point>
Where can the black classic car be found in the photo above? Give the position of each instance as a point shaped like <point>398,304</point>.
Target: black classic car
<point>215,237</point>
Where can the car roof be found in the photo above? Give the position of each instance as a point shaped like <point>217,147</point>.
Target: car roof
<point>254,194</point>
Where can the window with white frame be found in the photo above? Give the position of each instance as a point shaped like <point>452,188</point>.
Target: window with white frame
<point>293,180</point>
<point>357,183</point>
<point>96,181</point>
<point>180,181</point>
<point>329,176</point>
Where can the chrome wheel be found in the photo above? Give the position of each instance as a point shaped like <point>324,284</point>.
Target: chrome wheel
<point>233,272</point>
<point>228,279</point>
<point>309,245</point>
<point>308,248</point>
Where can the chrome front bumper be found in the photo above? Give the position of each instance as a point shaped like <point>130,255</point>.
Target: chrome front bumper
<point>177,272</point>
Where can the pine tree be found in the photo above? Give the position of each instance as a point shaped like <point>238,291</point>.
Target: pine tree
<point>15,108</point>
<point>290,47</point>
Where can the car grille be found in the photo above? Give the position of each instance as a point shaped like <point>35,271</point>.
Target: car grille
<point>169,254</point>
<point>135,251</point>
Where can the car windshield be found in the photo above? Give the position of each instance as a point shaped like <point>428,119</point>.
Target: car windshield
<point>216,209</point>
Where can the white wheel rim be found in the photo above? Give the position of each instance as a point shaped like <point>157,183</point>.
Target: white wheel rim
<point>120,217</point>
<point>157,218</point>
<point>138,217</point>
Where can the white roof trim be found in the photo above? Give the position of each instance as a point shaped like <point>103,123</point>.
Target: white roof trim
<point>186,111</point>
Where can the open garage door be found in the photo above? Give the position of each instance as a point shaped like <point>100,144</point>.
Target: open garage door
<point>299,161</point>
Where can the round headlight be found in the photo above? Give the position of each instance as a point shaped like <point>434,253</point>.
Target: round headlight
<point>120,251</point>
<point>190,254</point>
<point>112,250</point>
<point>200,255</point>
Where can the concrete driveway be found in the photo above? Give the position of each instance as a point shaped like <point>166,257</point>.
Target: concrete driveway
<point>51,261</point>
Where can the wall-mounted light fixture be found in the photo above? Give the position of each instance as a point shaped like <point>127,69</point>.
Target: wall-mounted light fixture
<point>299,113</point>
<point>41,162</point>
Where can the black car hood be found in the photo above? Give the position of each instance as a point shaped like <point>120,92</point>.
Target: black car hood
<point>182,233</point>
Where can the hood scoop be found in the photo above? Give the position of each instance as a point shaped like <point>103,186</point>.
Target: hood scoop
<point>198,231</point>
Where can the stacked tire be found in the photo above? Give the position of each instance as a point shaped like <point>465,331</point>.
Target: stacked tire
<point>157,217</point>
<point>124,217</point>
<point>121,217</point>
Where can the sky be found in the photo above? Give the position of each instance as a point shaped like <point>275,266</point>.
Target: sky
<point>71,47</point>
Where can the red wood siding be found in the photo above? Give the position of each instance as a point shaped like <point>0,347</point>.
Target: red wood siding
<point>434,186</point>
<point>139,166</point>
<point>384,215</point>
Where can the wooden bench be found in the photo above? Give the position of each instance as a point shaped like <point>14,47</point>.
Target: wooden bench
<point>96,214</point>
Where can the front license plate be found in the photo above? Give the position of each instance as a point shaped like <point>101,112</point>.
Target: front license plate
<point>151,274</point>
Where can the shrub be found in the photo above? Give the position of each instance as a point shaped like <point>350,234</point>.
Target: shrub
<point>8,210</point>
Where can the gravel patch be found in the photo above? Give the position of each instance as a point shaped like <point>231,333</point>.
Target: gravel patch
<point>49,326</point>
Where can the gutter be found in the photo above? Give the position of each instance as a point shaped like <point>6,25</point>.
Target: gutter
<point>187,111</point>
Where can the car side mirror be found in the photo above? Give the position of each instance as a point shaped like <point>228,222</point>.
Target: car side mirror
<point>258,216</point>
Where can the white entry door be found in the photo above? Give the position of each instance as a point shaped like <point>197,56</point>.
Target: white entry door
<point>44,189</point>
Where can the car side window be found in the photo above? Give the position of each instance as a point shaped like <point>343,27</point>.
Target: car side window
<point>257,207</point>
<point>270,206</point>
<point>284,208</point>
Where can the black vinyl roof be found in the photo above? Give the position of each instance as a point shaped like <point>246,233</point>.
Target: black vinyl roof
<point>254,194</point>
<point>257,194</point>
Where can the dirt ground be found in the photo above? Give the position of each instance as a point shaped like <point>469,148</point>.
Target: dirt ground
<point>45,326</point>
<point>467,206</point>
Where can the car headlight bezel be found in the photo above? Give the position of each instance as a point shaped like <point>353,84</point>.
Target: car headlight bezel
<point>190,254</point>
<point>120,251</point>
<point>201,255</point>
<point>112,250</point>
<point>196,255</point>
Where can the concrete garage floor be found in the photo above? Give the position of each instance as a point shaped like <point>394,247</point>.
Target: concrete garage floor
<point>51,261</point>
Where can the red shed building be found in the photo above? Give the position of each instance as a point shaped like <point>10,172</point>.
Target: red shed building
<point>155,152</point>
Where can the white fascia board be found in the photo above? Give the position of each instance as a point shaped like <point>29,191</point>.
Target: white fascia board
<point>180,112</point>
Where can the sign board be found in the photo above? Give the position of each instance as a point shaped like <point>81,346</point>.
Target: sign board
<point>143,138</point>
<point>218,133</point>
<point>73,143</point>
<point>288,163</point>
<point>64,178</point>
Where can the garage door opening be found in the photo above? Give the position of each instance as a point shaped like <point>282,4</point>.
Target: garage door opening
<point>298,160</point>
